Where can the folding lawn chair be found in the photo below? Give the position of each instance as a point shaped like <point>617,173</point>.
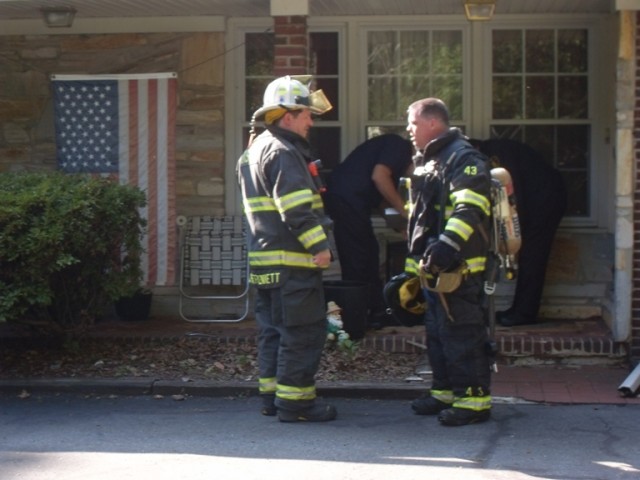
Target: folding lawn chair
<point>214,269</point>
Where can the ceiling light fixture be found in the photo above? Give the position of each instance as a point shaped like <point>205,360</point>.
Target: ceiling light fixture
<point>479,9</point>
<point>55,17</point>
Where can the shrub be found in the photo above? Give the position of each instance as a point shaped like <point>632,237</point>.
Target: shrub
<point>69,246</point>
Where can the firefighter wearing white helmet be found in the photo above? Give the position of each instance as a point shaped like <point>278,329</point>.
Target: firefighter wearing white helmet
<point>288,250</point>
<point>287,94</point>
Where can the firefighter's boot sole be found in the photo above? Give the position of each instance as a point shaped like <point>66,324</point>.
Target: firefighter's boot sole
<point>427,405</point>
<point>316,413</point>
<point>457,417</point>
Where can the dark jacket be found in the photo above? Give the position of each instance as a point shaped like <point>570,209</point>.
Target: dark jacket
<point>281,202</point>
<point>451,173</point>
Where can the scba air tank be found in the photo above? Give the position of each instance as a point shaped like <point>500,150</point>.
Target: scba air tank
<point>506,218</point>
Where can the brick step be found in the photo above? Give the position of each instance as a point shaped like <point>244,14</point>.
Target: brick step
<point>551,341</point>
<point>566,342</point>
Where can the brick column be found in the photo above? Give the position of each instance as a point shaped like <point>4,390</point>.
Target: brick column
<point>291,46</point>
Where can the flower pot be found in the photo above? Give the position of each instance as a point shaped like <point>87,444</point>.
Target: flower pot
<point>134,308</point>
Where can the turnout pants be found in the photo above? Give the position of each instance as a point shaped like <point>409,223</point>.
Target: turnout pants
<point>457,347</point>
<point>292,332</point>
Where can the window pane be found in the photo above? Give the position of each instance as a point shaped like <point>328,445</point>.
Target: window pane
<point>539,51</point>
<point>539,97</point>
<point>572,51</point>
<point>381,51</point>
<point>414,54</point>
<point>447,52</point>
<point>507,97</point>
<point>323,48</point>
<point>507,51</point>
<point>253,95</point>
<point>259,52</point>
<point>382,99</point>
<point>573,146</point>
<point>572,97</point>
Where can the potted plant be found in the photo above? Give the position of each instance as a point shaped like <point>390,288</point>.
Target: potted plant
<point>135,307</point>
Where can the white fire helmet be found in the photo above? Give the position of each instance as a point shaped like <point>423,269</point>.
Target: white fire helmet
<point>292,93</point>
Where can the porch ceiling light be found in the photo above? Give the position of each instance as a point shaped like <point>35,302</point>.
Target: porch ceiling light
<point>55,17</point>
<point>479,9</point>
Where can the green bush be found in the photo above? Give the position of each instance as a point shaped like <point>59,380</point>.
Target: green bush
<point>69,246</point>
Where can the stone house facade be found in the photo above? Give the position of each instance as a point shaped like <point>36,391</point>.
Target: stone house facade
<point>592,273</point>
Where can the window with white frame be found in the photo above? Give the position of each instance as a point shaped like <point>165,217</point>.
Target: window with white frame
<point>540,96</point>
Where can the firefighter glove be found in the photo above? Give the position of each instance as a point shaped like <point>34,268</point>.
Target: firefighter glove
<point>440,257</point>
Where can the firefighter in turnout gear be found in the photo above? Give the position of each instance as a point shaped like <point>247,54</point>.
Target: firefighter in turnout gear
<point>288,250</point>
<point>448,232</point>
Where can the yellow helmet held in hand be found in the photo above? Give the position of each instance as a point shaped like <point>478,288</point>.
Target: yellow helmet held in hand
<point>405,300</point>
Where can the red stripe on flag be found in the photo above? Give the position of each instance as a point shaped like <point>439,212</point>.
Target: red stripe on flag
<point>171,180</point>
<point>152,188</point>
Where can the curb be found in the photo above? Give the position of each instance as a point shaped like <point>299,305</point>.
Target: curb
<point>149,386</point>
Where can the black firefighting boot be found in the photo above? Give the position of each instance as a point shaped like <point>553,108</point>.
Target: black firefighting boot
<point>268,406</point>
<point>305,411</point>
<point>428,405</point>
<point>456,417</point>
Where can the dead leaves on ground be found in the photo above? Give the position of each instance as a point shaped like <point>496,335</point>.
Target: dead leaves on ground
<point>189,360</point>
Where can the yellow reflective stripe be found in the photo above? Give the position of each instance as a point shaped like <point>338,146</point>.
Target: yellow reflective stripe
<point>259,204</point>
<point>473,403</point>
<point>293,199</point>
<point>312,236</point>
<point>281,257</point>
<point>287,392</point>
<point>445,396</point>
<point>317,202</point>
<point>476,264</point>
<point>472,198</point>
<point>457,226</point>
<point>411,266</point>
<point>267,385</point>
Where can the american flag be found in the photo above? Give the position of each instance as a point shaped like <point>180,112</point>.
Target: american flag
<point>124,126</point>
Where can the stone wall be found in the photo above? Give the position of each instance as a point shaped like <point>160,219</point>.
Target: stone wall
<point>26,112</point>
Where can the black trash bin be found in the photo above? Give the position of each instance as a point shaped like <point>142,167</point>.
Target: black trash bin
<point>352,297</point>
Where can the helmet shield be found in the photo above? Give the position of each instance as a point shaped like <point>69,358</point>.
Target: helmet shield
<point>319,103</point>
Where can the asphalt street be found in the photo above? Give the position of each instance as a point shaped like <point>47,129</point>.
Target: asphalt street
<point>72,436</point>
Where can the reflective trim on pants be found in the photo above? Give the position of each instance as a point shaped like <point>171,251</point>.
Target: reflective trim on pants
<point>473,403</point>
<point>287,392</point>
<point>267,385</point>
<point>445,396</point>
